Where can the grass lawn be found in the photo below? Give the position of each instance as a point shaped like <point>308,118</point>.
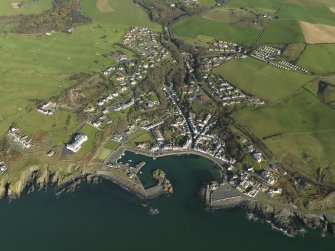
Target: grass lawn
<point>137,137</point>
<point>109,147</point>
<point>104,154</point>
<point>31,7</point>
<point>112,145</point>
<point>207,3</point>
<point>259,79</point>
<point>318,58</point>
<point>299,130</point>
<point>312,14</point>
<point>192,27</point>
<point>282,32</point>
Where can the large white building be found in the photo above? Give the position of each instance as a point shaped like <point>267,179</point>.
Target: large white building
<point>76,142</point>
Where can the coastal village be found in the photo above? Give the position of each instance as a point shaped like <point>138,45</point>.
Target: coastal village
<point>195,131</point>
<point>186,106</point>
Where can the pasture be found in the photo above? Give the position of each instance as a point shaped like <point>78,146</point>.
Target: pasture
<point>282,32</point>
<point>299,130</point>
<point>235,17</point>
<point>12,7</point>
<point>103,6</point>
<point>259,79</point>
<point>329,3</point>
<point>258,6</point>
<point>192,27</point>
<point>318,58</point>
<point>311,14</point>
<point>293,51</point>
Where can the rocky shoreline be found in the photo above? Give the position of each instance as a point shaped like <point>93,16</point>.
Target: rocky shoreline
<point>290,222</point>
<point>35,178</point>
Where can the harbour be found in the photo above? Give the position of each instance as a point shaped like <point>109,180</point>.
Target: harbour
<point>86,218</point>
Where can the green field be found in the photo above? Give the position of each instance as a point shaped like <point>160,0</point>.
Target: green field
<point>329,3</point>
<point>318,58</point>
<point>30,7</point>
<point>232,16</point>
<point>259,6</point>
<point>192,27</point>
<point>259,79</point>
<point>208,3</point>
<point>37,67</point>
<point>108,149</point>
<point>51,130</point>
<point>311,14</point>
<point>124,13</point>
<point>299,130</point>
<point>112,145</point>
<point>293,51</point>
<point>282,32</point>
<point>137,137</point>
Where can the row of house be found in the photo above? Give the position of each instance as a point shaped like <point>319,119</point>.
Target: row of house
<point>225,92</point>
<point>18,136</point>
<point>226,47</point>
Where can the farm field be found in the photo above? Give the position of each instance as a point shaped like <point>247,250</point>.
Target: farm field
<point>234,16</point>
<point>192,27</point>
<point>259,6</point>
<point>8,7</point>
<point>318,58</point>
<point>124,13</point>
<point>293,51</point>
<point>318,33</point>
<point>329,3</point>
<point>299,130</point>
<point>259,79</point>
<point>312,14</point>
<point>282,32</point>
<point>327,95</point>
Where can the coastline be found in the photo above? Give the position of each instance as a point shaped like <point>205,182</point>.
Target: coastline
<point>287,220</point>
